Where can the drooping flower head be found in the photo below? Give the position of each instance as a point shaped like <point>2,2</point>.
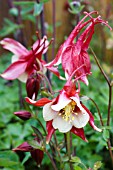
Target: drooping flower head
<point>65,112</point>
<point>24,62</point>
<point>33,85</point>
<point>36,154</point>
<point>74,54</point>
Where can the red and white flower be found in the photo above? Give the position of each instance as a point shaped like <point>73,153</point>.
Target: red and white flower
<point>74,54</point>
<point>65,112</point>
<point>24,62</point>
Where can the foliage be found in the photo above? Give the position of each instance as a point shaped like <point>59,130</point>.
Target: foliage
<point>14,131</point>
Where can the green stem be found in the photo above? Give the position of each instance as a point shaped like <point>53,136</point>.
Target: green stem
<point>41,124</point>
<point>101,120</point>
<point>52,162</point>
<point>58,151</point>
<point>109,105</point>
<point>102,71</point>
<point>51,141</point>
<point>56,143</point>
<point>68,142</point>
<point>20,94</point>
<point>49,84</point>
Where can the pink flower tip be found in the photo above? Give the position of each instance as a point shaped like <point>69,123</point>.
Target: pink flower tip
<point>97,129</point>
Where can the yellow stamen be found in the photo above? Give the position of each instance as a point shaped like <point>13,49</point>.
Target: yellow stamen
<point>67,111</point>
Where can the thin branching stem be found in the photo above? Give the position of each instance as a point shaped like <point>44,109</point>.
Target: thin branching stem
<point>102,71</point>
<point>20,94</point>
<point>54,27</point>
<point>109,102</point>
<point>43,32</point>
<point>68,142</point>
<point>100,116</point>
<point>49,84</point>
<point>58,151</point>
<point>52,162</point>
<point>109,84</point>
<point>109,105</point>
<point>40,123</point>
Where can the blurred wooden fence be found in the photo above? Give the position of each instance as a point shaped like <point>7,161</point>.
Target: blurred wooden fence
<point>105,9</point>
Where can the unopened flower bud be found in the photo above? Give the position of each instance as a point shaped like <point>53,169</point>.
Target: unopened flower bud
<point>25,147</point>
<point>33,86</point>
<point>22,114</point>
<point>37,155</point>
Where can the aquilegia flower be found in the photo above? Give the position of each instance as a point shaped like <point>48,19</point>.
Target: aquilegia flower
<point>74,54</point>
<point>65,112</point>
<point>24,62</point>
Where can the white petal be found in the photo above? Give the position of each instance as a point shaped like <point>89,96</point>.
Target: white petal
<point>48,113</point>
<point>23,77</point>
<point>80,119</point>
<point>66,75</point>
<point>43,43</point>
<point>14,58</point>
<point>62,102</point>
<point>14,46</point>
<point>76,99</point>
<point>62,125</point>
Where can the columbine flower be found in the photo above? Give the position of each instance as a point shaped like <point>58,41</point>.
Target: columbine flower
<point>74,54</point>
<point>65,112</point>
<point>24,62</point>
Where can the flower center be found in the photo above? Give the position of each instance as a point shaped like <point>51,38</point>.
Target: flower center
<point>67,111</point>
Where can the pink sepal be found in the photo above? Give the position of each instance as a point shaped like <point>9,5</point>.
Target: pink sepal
<point>79,132</point>
<point>91,119</point>
<point>40,102</point>
<point>50,131</point>
<point>25,147</point>
<point>14,70</point>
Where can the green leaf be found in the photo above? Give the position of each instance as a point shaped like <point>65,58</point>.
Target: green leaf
<point>29,17</point>
<point>26,106</point>
<point>75,9</point>
<point>37,9</point>
<point>38,133</point>
<point>76,167</point>
<point>97,165</point>
<point>14,11</point>
<point>23,3</point>
<point>106,134</point>
<point>65,158</point>
<point>28,155</point>
<point>35,144</point>
<point>6,162</point>
<point>10,161</point>
<point>75,159</point>
<point>106,127</point>
<point>44,1</point>
<point>27,9</point>
<point>9,28</point>
<point>10,155</point>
